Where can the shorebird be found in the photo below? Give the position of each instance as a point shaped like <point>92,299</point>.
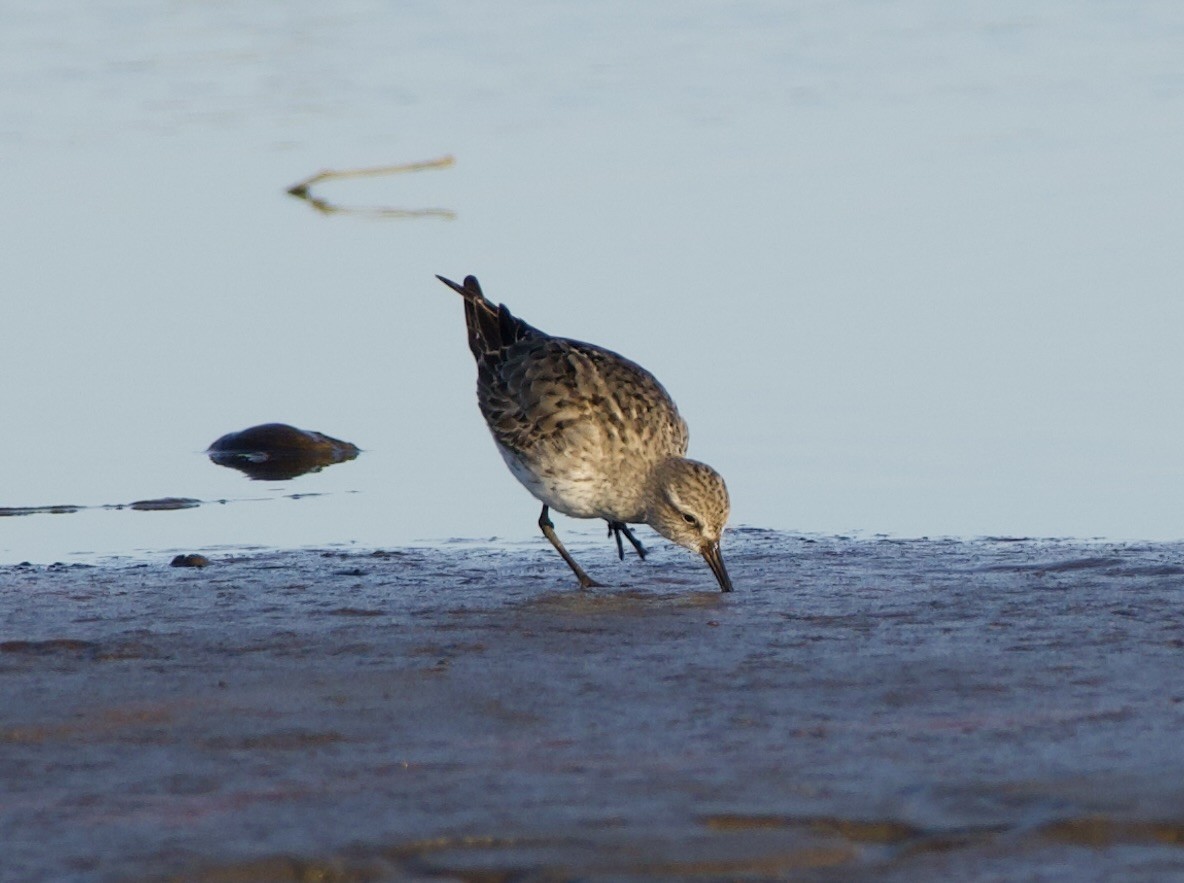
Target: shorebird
<point>592,435</point>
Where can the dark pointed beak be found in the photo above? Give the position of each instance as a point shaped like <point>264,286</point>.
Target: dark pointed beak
<point>715,560</point>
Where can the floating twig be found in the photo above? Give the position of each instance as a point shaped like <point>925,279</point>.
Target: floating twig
<point>302,190</point>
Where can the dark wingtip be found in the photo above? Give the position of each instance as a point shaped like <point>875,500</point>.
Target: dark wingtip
<point>450,284</point>
<point>471,289</point>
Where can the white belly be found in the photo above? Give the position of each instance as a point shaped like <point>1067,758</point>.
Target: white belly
<point>580,491</point>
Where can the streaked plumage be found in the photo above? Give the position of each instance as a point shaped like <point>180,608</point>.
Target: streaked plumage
<point>591,434</point>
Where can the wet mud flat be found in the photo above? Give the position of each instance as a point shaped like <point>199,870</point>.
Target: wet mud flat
<point>871,709</point>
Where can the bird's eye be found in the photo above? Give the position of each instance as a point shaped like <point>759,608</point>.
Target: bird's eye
<point>690,519</point>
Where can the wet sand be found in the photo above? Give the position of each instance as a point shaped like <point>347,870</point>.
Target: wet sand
<point>858,709</point>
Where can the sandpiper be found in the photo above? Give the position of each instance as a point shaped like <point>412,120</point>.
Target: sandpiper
<point>592,435</point>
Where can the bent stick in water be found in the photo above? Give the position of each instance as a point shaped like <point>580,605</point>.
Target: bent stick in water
<point>302,189</point>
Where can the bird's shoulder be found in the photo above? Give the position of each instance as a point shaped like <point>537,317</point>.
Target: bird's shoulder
<point>585,372</point>
<point>553,385</point>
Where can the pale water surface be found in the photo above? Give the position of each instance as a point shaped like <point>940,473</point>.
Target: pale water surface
<point>910,268</point>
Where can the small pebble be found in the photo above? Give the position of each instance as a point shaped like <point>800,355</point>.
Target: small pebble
<point>190,561</point>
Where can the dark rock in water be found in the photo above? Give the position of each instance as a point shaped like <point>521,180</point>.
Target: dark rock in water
<point>276,451</point>
<point>36,510</point>
<point>164,504</point>
<point>190,561</point>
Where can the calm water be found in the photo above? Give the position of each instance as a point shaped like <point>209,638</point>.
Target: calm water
<point>906,268</point>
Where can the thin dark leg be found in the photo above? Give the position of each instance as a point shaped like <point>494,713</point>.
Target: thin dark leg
<point>586,582</point>
<point>613,532</point>
<point>616,528</point>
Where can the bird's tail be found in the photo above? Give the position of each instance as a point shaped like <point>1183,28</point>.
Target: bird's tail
<point>492,327</point>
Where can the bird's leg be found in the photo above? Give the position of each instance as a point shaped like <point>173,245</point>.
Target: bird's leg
<point>586,582</point>
<point>616,528</point>
<point>638,547</point>
<point>613,532</point>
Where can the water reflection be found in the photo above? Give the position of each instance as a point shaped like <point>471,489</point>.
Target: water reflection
<point>303,191</point>
<point>38,510</point>
<point>277,451</point>
<point>163,504</point>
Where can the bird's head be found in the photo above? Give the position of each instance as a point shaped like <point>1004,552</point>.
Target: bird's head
<point>688,504</point>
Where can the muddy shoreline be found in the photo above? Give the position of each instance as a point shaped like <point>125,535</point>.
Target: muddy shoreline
<point>857,709</point>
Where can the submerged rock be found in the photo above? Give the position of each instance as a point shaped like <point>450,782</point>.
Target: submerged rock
<point>277,451</point>
<point>164,504</point>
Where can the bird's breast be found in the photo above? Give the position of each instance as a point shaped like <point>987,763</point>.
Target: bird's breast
<point>578,487</point>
